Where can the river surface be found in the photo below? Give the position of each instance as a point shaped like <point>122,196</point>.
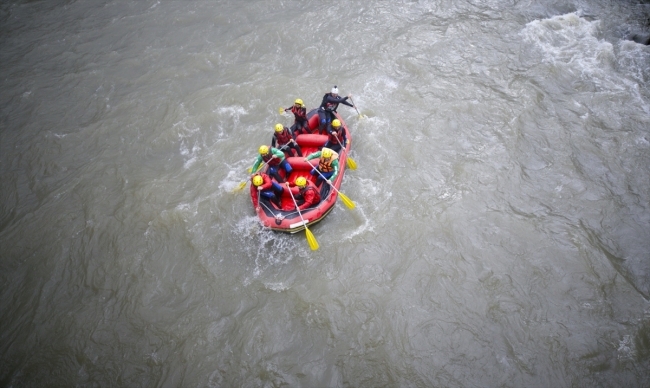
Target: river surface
<point>501,235</point>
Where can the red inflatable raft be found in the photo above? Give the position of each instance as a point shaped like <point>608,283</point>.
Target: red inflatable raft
<point>287,218</point>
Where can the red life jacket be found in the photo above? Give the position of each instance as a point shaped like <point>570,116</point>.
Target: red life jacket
<point>267,184</point>
<point>273,161</point>
<point>283,137</point>
<point>310,194</point>
<point>337,139</point>
<point>266,181</point>
<point>299,113</point>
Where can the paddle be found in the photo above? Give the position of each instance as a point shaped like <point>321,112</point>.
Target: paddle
<point>281,110</point>
<point>311,240</point>
<point>345,199</point>
<point>352,165</point>
<point>355,108</point>
<point>241,186</point>
<point>250,169</point>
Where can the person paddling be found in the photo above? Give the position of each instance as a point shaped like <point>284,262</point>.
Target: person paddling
<point>328,106</point>
<point>267,189</point>
<point>300,124</point>
<point>285,140</point>
<point>337,138</point>
<point>305,192</point>
<point>328,165</point>
<point>275,159</point>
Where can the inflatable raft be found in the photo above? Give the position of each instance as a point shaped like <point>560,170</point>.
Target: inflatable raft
<point>286,218</point>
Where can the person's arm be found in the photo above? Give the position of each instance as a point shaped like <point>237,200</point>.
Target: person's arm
<point>335,164</point>
<point>313,156</point>
<point>294,190</point>
<point>334,100</point>
<point>277,153</point>
<point>344,101</point>
<point>267,184</point>
<point>273,141</point>
<point>256,164</point>
<point>309,200</point>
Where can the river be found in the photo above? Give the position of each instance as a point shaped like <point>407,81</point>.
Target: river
<point>501,235</point>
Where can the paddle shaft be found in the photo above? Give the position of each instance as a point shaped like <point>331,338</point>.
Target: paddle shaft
<point>296,203</point>
<point>351,163</point>
<point>355,106</point>
<point>311,240</point>
<point>325,179</point>
<point>243,184</point>
<point>267,162</point>
<point>344,198</point>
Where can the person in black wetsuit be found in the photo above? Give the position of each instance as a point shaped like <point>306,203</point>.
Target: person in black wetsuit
<point>327,108</point>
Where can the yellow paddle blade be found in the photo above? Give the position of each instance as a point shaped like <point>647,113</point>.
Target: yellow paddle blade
<point>352,165</point>
<point>250,169</point>
<point>346,200</point>
<point>311,240</point>
<point>240,187</point>
<point>281,110</point>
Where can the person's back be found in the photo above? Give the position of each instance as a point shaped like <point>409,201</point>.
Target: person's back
<point>307,195</point>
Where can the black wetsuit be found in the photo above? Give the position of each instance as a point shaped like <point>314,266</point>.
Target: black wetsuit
<point>326,110</point>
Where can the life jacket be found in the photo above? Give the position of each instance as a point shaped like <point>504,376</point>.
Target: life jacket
<point>310,188</point>
<point>267,184</point>
<point>328,106</point>
<point>326,165</point>
<point>283,137</point>
<point>266,181</point>
<point>299,113</point>
<point>336,140</point>
<point>273,161</point>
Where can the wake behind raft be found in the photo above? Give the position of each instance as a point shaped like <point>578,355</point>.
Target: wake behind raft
<point>286,218</point>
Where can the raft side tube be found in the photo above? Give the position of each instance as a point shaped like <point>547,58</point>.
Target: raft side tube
<point>311,140</point>
<point>312,119</point>
<point>299,164</point>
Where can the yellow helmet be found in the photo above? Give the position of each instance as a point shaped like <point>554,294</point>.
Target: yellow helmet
<point>336,123</point>
<point>327,153</point>
<point>258,180</point>
<point>279,127</point>
<point>264,150</point>
<point>299,102</point>
<point>301,181</point>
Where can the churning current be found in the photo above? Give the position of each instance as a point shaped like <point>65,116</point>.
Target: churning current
<point>501,233</point>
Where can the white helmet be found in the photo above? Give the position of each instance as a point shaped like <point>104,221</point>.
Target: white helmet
<point>335,90</point>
